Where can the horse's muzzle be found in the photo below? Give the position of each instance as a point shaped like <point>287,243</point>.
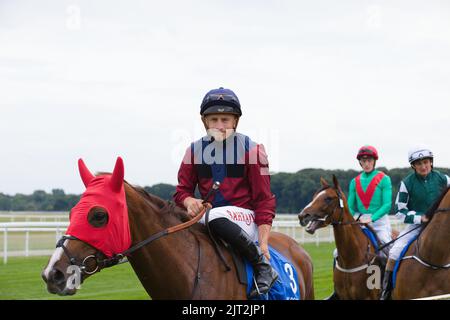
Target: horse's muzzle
<point>56,281</point>
<point>310,222</point>
<point>304,218</point>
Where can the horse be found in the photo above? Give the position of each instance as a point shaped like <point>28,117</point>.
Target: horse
<point>181,264</point>
<point>352,273</point>
<point>425,269</point>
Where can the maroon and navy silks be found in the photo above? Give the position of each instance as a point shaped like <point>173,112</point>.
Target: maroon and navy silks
<point>106,191</point>
<point>241,167</point>
<point>366,197</point>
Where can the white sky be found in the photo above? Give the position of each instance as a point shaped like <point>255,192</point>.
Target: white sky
<point>316,79</point>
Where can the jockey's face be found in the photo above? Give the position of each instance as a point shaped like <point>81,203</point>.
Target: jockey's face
<point>367,164</point>
<point>422,166</point>
<point>220,126</point>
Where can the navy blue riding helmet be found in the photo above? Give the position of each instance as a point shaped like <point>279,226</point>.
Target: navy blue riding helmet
<point>220,101</point>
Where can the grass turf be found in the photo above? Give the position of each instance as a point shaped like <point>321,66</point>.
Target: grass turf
<point>21,279</point>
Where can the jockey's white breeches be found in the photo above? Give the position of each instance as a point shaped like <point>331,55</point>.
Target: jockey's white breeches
<point>398,246</point>
<point>244,218</point>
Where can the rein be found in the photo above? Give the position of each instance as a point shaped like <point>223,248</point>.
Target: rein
<point>419,226</point>
<point>117,258</point>
<point>442,210</point>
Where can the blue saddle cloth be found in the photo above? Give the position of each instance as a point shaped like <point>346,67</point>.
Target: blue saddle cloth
<point>286,287</point>
<point>369,234</point>
<point>399,260</point>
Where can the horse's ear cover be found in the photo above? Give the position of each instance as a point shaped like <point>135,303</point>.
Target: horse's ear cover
<point>108,192</point>
<point>117,176</point>
<point>86,175</point>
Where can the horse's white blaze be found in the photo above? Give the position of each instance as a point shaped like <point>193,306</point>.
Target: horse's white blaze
<point>55,258</point>
<point>311,203</point>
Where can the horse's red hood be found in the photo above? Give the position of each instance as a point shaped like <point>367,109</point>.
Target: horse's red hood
<point>106,191</point>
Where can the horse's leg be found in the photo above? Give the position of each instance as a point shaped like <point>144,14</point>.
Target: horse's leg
<point>300,259</point>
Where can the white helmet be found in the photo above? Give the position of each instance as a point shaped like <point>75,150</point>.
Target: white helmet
<point>418,153</point>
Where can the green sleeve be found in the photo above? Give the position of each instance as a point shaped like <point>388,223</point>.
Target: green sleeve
<point>386,198</point>
<point>352,197</point>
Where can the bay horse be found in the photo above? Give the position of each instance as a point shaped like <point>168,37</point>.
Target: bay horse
<point>178,265</point>
<point>425,269</point>
<point>355,251</point>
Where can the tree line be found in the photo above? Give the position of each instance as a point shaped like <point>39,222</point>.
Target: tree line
<point>293,191</point>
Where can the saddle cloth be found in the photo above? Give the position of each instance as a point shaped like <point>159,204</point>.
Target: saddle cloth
<point>286,287</point>
<point>399,260</point>
<point>372,237</point>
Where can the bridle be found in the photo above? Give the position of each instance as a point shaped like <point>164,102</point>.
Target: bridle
<point>119,258</point>
<point>340,222</point>
<point>99,262</point>
<point>339,205</point>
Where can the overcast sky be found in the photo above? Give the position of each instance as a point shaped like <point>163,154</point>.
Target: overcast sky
<point>316,79</point>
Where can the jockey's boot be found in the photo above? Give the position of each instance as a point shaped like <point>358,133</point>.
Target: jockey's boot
<point>239,240</point>
<point>387,280</point>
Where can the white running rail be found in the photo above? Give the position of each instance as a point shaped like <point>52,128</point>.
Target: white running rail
<point>285,223</point>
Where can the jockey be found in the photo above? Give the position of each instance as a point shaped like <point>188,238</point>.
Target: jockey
<point>370,197</point>
<point>244,206</point>
<point>417,192</point>
<point>370,194</point>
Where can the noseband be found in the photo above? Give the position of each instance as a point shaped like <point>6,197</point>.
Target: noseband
<point>83,267</point>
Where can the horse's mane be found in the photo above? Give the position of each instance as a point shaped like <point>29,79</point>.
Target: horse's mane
<point>165,208</point>
<point>430,212</point>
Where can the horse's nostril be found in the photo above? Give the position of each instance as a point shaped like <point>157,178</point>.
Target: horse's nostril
<point>304,219</point>
<point>56,276</point>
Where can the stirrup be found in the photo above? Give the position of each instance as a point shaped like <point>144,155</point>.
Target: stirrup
<point>256,286</point>
<point>256,292</point>
<point>385,295</point>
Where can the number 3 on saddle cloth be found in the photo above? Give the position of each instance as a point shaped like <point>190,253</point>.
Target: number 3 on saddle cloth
<point>286,286</point>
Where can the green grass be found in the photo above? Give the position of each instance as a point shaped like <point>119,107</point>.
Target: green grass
<point>21,278</point>
<point>322,257</point>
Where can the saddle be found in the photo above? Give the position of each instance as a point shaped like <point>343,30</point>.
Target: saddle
<point>285,288</point>
<point>381,256</point>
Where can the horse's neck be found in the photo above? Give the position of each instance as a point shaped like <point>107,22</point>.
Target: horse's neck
<point>163,266</point>
<point>434,240</point>
<point>350,242</point>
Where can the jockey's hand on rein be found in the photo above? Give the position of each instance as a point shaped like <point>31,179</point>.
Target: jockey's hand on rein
<point>193,206</point>
<point>365,220</point>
